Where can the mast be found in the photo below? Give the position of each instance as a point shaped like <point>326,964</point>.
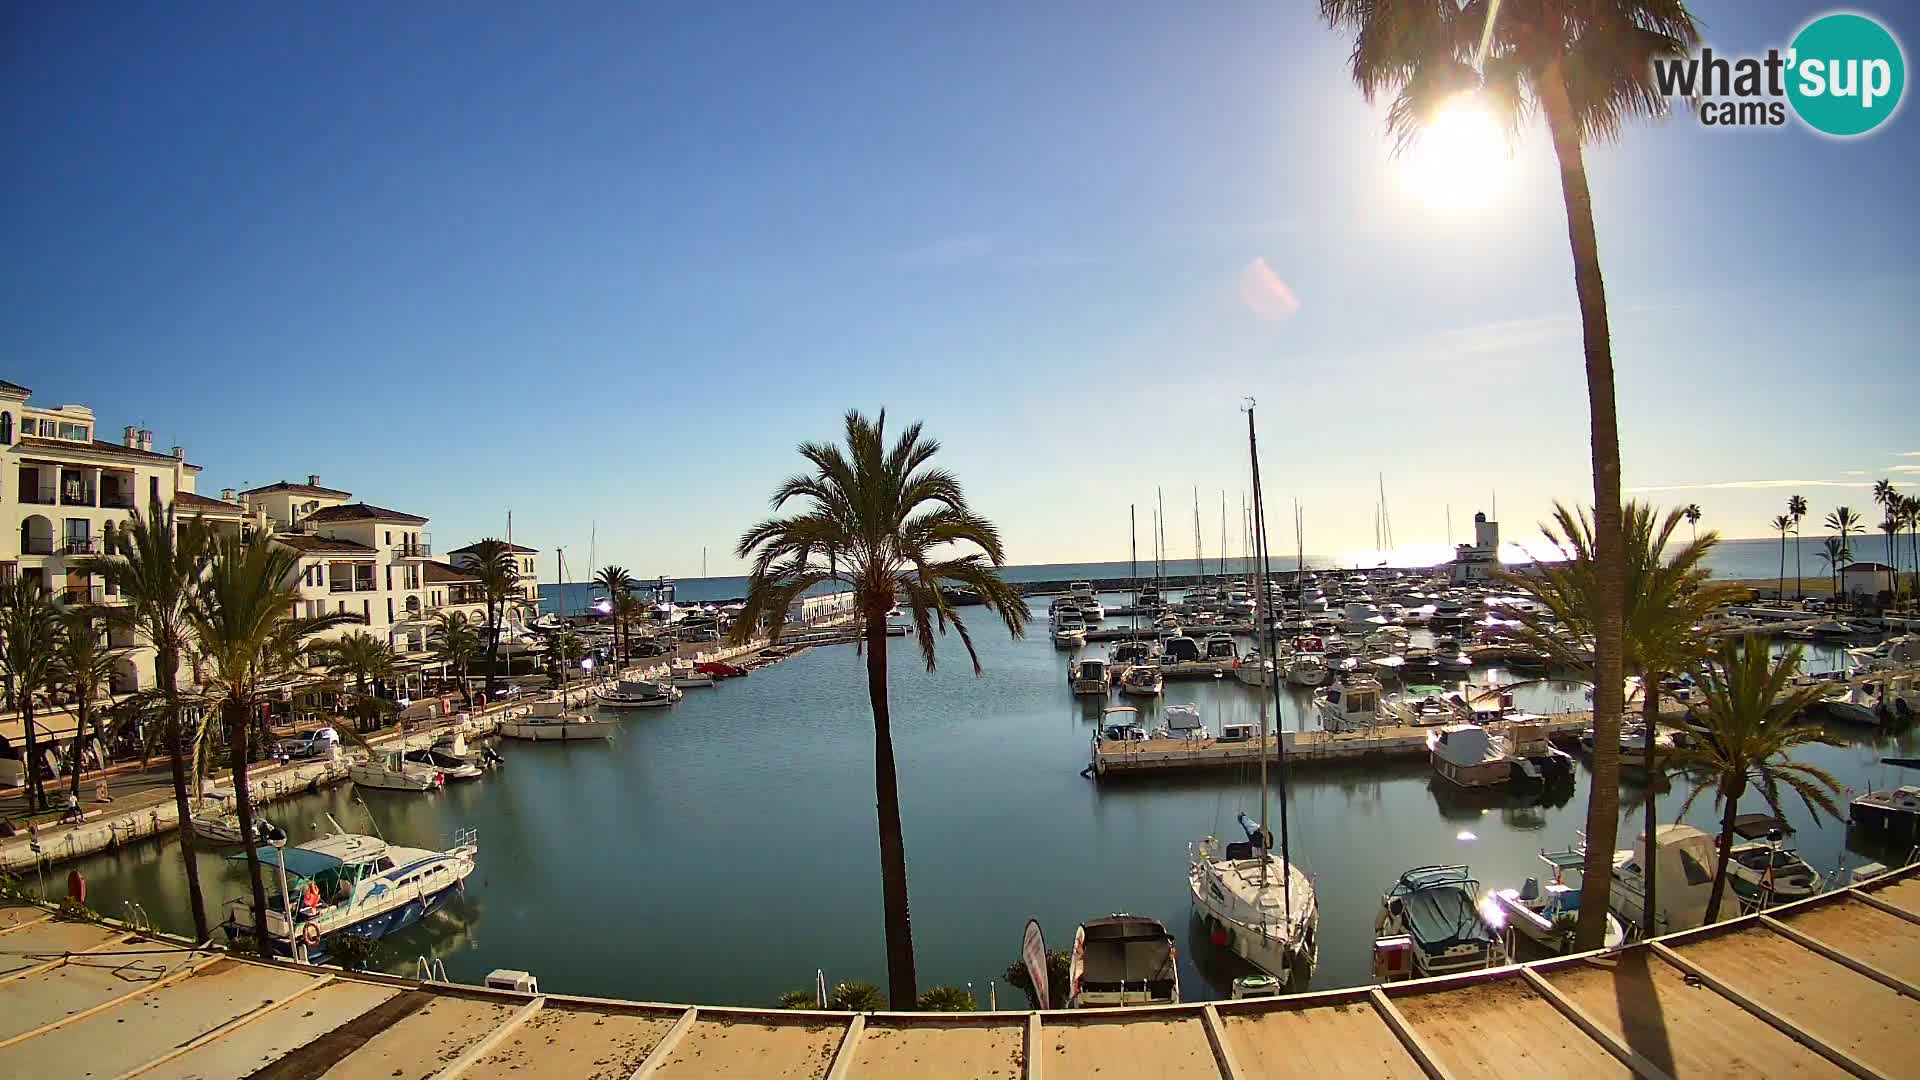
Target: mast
<point>1259,618</point>
<point>1160,541</point>
<point>1133,572</point>
<point>1223,534</point>
<point>1199,556</point>
<point>1280,742</point>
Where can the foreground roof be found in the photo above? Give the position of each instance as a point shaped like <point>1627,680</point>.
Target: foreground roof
<point>439,573</point>
<point>189,503</point>
<point>363,512</point>
<point>1828,987</point>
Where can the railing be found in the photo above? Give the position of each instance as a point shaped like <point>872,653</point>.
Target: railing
<point>89,594</point>
<point>422,549</point>
<point>77,496</point>
<point>36,545</point>
<point>116,501</point>
<point>42,497</point>
<point>339,586</point>
<point>80,545</point>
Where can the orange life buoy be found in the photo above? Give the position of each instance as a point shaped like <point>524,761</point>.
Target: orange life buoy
<point>311,935</point>
<point>76,886</point>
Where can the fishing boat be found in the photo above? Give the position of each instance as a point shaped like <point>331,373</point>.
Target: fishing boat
<point>1543,913</point>
<point>1122,960</point>
<point>1438,909</point>
<point>641,694</point>
<point>366,887</point>
<point>390,770</point>
<point>554,721</point>
<point>1142,680</point>
<point>1088,676</point>
<point>1252,896</point>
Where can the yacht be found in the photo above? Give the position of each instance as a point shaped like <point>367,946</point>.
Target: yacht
<point>1252,669</point>
<point>1180,650</point>
<point>1183,722</point>
<point>1350,706</point>
<point>1254,902</point>
<point>1167,626</point>
<point>389,770</point>
<point>1122,960</point>
<point>1516,754</point>
<point>1448,656</point>
<point>1308,665</point>
<point>1088,676</point>
<point>1142,680</point>
<point>1221,647</point>
<point>1363,618</point>
<point>1438,909</point>
<point>641,694</point>
<point>449,765</point>
<point>553,721</point>
<point>1543,913</point>
<point>366,886</point>
<point>1125,654</point>
<point>217,819</point>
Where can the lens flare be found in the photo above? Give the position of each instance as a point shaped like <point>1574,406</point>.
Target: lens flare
<point>1459,159</point>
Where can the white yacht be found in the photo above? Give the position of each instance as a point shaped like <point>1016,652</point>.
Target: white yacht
<point>1253,669</point>
<point>1448,656</point>
<point>1088,677</point>
<point>1350,706</point>
<point>449,765</point>
<point>1069,629</point>
<point>1308,667</point>
<point>1255,902</point>
<point>1142,680</point>
<point>389,770</point>
<point>554,721</point>
<point>365,887</point>
<point>217,819</point>
<point>1438,909</point>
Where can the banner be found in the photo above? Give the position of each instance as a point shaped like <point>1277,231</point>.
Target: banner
<point>1033,950</point>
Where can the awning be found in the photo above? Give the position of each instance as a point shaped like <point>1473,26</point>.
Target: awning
<point>300,861</point>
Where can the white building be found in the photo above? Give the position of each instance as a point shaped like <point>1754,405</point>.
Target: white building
<point>523,564</point>
<point>1478,561</point>
<point>1868,579</point>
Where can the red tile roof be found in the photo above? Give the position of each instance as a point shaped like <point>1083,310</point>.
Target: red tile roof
<point>439,573</point>
<point>321,545</point>
<point>299,489</point>
<point>362,512</point>
<point>187,502</point>
<point>97,446</point>
<point>515,548</point>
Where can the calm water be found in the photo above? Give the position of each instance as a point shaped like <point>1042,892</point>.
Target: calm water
<point>721,851</point>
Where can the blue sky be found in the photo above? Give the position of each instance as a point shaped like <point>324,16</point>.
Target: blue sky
<point>605,265</point>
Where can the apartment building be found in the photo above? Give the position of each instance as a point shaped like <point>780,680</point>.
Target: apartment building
<point>523,558</point>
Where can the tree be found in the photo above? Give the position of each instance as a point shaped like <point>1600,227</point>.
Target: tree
<point>1910,514</point>
<point>627,610</point>
<point>1782,524</point>
<point>1835,554</point>
<point>493,563</point>
<point>250,642</point>
<point>1891,526</point>
<point>886,524</point>
<point>363,657</point>
<point>1667,597</point>
<point>456,643</point>
<point>1888,499</point>
<point>566,648</point>
<point>1797,509</point>
<point>1845,522</point>
<point>1692,513</point>
<point>29,636</point>
<point>616,583</point>
<point>83,668</point>
<point>1751,719</point>
<point>155,563</point>
<point>1587,69</point>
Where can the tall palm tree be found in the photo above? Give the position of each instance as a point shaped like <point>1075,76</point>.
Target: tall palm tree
<point>29,638</point>
<point>1797,509</point>
<point>627,610</point>
<point>155,562</point>
<point>1692,513</point>
<point>1751,716</point>
<point>1910,513</point>
<point>1587,68</point>
<point>1888,499</point>
<point>1891,526</point>
<point>83,667</point>
<point>887,524</point>
<point>616,583</point>
<point>456,642</point>
<point>1782,524</point>
<point>1835,554</point>
<point>250,641</point>
<point>493,563</point>
<point>1667,597</point>
<point>363,657</point>
<point>1845,522</point>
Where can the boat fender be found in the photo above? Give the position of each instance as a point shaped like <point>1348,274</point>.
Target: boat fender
<point>76,886</point>
<point>311,935</point>
<point>1218,933</point>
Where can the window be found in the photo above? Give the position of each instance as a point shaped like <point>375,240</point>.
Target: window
<point>366,610</point>
<point>6,429</point>
<point>74,432</point>
<point>153,490</point>
<point>389,609</point>
<point>389,535</point>
<point>389,578</point>
<point>340,607</point>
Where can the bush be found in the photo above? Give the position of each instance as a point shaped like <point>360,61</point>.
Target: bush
<point>353,952</point>
<point>72,910</point>
<point>947,999</point>
<point>856,997</point>
<point>1059,969</point>
<point>799,999</point>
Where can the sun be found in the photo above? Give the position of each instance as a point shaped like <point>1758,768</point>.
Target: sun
<point>1459,159</point>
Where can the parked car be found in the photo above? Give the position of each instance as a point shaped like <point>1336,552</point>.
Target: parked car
<point>308,744</point>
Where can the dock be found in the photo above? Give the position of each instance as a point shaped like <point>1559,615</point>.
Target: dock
<point>1826,987</point>
<point>1112,758</point>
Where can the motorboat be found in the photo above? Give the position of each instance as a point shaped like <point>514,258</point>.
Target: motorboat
<point>1069,629</point>
<point>390,770</point>
<point>1254,902</point>
<point>1363,618</point>
<point>1633,743</point>
<point>1088,676</point>
<point>1892,815</point>
<point>366,887</point>
<point>1253,669</point>
<point>1122,960</point>
<point>1180,650</point>
<point>1516,753</point>
<point>1847,703</point>
<point>1898,652</point>
<point>449,765</point>
<point>1121,723</point>
<point>1353,705</point>
<point>641,694</point>
<point>1763,872</point>
<point>1221,647</point>
<point>684,674</point>
<point>1142,680</point>
<point>1438,909</point>
<point>453,748</point>
<point>554,721</point>
<point>1167,626</point>
<point>1447,655</point>
<point>1183,722</point>
<point>1684,857</point>
<point>217,818</point>
<point>1545,913</point>
<point>720,669</point>
<point>1125,654</point>
<point>1834,628</point>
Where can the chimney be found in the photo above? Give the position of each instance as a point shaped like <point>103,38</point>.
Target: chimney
<point>130,438</point>
<point>179,453</point>
<point>228,495</point>
<point>313,479</point>
<point>146,440</point>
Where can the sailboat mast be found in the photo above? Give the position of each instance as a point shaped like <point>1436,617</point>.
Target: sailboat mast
<point>1223,534</point>
<point>1160,541</point>
<point>1199,555</point>
<point>1267,648</point>
<point>1133,571</point>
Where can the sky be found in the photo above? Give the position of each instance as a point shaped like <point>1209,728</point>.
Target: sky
<point>605,265</point>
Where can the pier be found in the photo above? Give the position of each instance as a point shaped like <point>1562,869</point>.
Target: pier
<point>1826,987</point>
<point>1119,757</point>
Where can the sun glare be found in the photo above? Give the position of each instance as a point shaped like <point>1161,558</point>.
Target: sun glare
<point>1459,159</point>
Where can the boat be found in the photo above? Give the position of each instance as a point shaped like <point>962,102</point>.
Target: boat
<point>1126,654</point>
<point>389,770</point>
<point>1447,655</point>
<point>1180,650</point>
<point>1121,723</point>
<point>1633,743</point>
<point>1684,857</point>
<point>1122,960</point>
<point>449,765</point>
<point>641,694</point>
<point>1308,664</point>
<point>1515,753</point>
<point>1834,628</point>
<point>1069,629</point>
<point>1088,676</point>
<point>1350,706</point>
<point>1221,647</point>
<point>1253,669</point>
<point>684,674</point>
<point>216,818</point>
<point>1142,680</point>
<point>1891,815</point>
<point>1438,909</point>
<point>1763,872</point>
<point>1847,703</point>
<point>1251,895</point>
<point>1544,913</point>
<point>366,886</point>
<point>553,721</point>
<point>1183,722</point>
<point>1902,651</point>
<point>720,669</point>
<point>453,747</point>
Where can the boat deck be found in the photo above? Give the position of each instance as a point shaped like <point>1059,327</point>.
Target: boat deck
<point>1822,988</point>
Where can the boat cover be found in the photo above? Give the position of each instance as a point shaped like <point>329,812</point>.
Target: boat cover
<point>1444,916</point>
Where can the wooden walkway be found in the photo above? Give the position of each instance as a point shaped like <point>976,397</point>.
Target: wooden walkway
<point>1829,987</point>
<point>1113,758</point>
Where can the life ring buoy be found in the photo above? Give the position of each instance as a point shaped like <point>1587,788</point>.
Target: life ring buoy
<point>311,935</point>
<point>76,886</point>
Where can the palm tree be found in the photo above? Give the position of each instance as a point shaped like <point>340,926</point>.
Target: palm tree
<point>493,563</point>
<point>1845,522</point>
<point>627,610</point>
<point>29,638</point>
<point>1751,718</point>
<point>1910,513</point>
<point>155,562</point>
<point>1667,597</point>
<point>1891,526</point>
<point>1692,513</point>
<point>1835,554</point>
<point>456,642</point>
<point>1587,68</point>
<point>1797,509</point>
<point>364,657</point>
<point>1781,525</point>
<point>250,642</point>
<point>83,667</point>
<point>616,583</point>
<point>886,524</point>
<point>566,648</point>
<point>1888,499</point>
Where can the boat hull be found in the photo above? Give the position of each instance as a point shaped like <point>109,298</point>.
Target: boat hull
<point>1271,952</point>
<point>567,732</point>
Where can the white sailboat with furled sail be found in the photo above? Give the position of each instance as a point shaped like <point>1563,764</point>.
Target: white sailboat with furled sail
<point>1254,901</point>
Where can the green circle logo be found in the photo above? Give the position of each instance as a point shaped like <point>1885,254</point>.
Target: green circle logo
<point>1846,73</point>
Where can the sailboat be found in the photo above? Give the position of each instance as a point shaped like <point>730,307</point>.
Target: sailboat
<point>1255,902</point>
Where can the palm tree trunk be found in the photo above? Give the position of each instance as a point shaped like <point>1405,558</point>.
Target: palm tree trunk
<point>1610,572</point>
<point>901,990</point>
<point>167,669</point>
<point>82,727</point>
<point>1799,589</point>
<point>1726,852</point>
<point>493,649</point>
<point>1650,713</point>
<point>1780,593</point>
<point>238,721</point>
<point>36,791</point>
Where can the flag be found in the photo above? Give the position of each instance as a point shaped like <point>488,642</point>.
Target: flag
<point>1033,950</point>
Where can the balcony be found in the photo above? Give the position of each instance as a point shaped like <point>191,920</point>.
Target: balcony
<point>419,549</point>
<point>36,545</point>
<point>76,495</point>
<point>38,496</point>
<point>357,585</point>
<point>83,594</point>
<point>117,500</point>
<point>81,545</point>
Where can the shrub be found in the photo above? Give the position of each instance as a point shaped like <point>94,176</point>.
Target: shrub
<point>1059,968</point>
<point>947,999</point>
<point>856,997</point>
